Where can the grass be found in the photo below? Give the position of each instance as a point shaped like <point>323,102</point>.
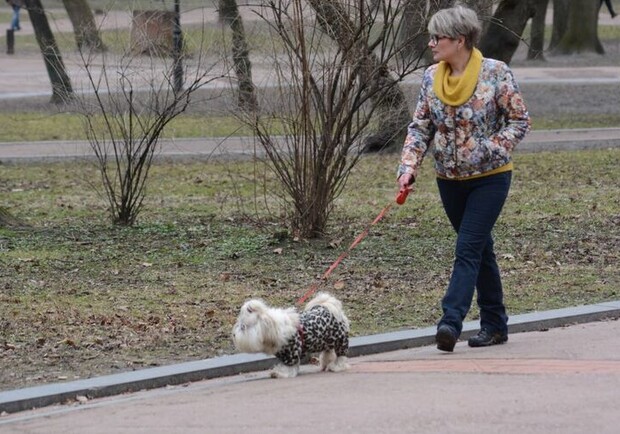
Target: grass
<point>36,126</point>
<point>33,126</point>
<point>82,298</point>
<point>571,121</point>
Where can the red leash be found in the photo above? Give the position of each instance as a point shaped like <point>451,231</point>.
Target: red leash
<point>400,199</point>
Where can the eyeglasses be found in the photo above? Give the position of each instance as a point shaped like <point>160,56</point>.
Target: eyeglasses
<point>434,39</point>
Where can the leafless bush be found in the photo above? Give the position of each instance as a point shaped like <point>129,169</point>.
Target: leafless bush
<point>339,67</point>
<point>133,98</point>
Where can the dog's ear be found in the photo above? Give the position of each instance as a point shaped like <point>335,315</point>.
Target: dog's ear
<point>254,306</point>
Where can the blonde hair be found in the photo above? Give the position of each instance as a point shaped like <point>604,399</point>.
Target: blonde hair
<point>456,21</point>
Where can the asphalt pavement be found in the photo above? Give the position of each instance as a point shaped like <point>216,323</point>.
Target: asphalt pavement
<point>560,380</point>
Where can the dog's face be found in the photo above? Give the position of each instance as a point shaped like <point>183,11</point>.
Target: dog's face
<point>250,314</point>
<point>263,329</point>
<point>249,330</point>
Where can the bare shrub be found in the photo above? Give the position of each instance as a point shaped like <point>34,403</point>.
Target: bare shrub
<point>335,67</point>
<point>133,98</point>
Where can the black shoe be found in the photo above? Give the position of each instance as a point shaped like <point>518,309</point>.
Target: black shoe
<point>484,339</point>
<point>445,338</point>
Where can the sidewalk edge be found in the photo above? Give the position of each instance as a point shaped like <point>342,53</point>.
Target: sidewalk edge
<point>98,387</point>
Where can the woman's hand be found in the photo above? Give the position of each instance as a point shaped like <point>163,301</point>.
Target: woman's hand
<point>405,180</point>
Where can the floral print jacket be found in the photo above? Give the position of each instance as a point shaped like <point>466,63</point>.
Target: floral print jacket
<point>473,138</point>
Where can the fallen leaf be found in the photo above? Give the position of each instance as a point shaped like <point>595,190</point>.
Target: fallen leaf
<point>334,244</point>
<point>278,251</point>
<point>224,277</point>
<point>68,342</point>
<point>339,285</point>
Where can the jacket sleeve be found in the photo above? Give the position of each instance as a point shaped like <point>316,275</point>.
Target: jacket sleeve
<point>516,120</point>
<point>420,132</point>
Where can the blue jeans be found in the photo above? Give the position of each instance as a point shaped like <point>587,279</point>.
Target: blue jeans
<point>473,207</point>
<point>15,20</point>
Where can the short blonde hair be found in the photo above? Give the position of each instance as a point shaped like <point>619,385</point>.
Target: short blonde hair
<point>455,22</point>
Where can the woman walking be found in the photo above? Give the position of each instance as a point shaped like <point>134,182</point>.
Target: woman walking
<point>471,111</point>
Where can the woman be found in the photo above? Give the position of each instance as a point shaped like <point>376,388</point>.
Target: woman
<point>471,110</point>
<point>16,5</point>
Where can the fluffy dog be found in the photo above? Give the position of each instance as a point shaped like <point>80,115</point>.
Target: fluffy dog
<point>322,327</point>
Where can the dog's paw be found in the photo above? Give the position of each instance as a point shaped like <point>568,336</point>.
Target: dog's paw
<point>283,371</point>
<point>326,358</point>
<point>339,365</point>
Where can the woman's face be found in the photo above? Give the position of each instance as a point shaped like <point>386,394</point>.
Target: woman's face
<point>443,47</point>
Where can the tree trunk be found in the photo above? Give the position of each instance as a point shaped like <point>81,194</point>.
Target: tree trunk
<point>413,34</point>
<point>582,31</point>
<point>61,85</point>
<point>84,26</point>
<point>560,22</point>
<point>537,35</point>
<point>229,13</point>
<point>502,38</point>
<point>484,9</point>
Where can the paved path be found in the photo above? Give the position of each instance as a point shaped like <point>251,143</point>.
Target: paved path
<point>237,147</point>
<point>564,380</point>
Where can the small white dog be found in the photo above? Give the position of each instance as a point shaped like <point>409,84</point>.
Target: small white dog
<point>321,327</point>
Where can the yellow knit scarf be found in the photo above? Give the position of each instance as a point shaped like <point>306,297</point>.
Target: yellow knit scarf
<point>455,91</point>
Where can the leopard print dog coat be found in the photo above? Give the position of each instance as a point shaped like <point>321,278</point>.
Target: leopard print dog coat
<point>319,331</point>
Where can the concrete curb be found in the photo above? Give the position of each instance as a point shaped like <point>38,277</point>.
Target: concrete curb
<point>40,396</point>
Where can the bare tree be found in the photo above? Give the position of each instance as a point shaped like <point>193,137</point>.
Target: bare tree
<point>84,26</point>
<point>582,30</point>
<point>229,14</point>
<point>338,67</point>
<point>61,84</point>
<point>135,97</point>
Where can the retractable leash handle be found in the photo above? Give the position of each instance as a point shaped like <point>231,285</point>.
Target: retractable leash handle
<point>402,195</point>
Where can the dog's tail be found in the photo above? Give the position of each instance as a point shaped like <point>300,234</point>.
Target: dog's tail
<point>332,304</point>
